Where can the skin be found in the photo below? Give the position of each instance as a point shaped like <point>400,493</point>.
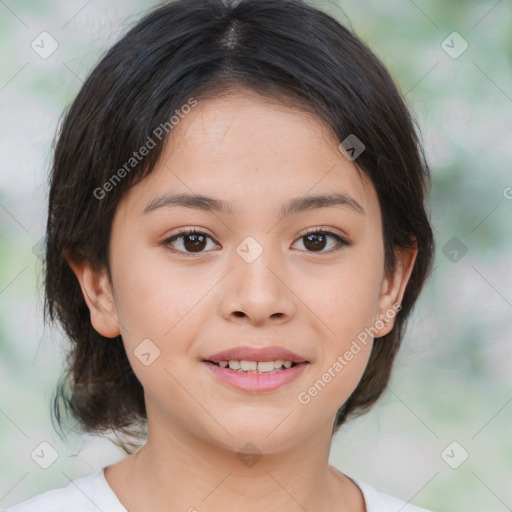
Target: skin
<point>256,154</point>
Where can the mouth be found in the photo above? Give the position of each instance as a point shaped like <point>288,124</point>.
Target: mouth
<point>256,370</point>
<point>265,355</point>
<point>256,367</point>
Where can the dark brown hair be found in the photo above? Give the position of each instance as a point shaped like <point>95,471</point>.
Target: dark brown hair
<point>283,49</point>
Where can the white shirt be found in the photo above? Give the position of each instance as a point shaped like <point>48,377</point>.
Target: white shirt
<point>92,493</point>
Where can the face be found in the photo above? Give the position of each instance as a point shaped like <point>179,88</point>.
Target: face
<point>267,267</point>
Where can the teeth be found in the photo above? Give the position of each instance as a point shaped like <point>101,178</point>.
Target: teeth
<point>265,366</point>
<point>248,365</point>
<point>256,366</point>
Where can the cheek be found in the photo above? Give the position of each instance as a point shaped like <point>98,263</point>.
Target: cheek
<point>346,304</point>
<point>339,369</point>
<point>347,300</point>
<point>153,296</point>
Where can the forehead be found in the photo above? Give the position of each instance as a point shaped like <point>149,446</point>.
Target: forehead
<point>252,152</point>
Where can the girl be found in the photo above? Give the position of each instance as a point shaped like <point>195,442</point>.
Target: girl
<point>236,236</point>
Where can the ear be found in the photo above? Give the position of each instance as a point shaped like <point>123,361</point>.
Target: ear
<point>98,295</point>
<point>393,289</point>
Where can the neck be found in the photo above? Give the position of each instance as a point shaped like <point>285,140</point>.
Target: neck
<point>178,470</point>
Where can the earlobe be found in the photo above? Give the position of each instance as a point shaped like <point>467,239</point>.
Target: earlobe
<point>98,295</point>
<point>393,289</point>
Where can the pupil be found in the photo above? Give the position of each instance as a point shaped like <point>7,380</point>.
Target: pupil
<point>198,242</point>
<point>315,246</point>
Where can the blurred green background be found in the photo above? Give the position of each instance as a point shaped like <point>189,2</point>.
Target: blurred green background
<point>452,379</point>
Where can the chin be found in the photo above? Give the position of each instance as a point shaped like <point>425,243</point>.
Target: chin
<point>260,437</point>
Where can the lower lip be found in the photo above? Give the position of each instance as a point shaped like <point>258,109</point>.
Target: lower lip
<point>256,382</point>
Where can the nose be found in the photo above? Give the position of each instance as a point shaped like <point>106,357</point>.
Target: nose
<point>258,292</point>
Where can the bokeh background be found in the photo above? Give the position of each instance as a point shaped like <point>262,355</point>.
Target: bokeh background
<point>441,435</point>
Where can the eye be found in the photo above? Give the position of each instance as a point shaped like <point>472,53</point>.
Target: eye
<point>191,240</point>
<point>315,240</point>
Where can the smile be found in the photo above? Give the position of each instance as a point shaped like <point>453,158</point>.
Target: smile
<point>256,376</point>
<point>256,366</point>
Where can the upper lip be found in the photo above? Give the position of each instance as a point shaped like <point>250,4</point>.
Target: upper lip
<point>269,353</point>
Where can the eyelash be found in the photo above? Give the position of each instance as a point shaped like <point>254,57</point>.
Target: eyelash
<point>341,241</point>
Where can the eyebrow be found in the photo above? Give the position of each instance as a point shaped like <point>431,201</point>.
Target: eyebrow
<point>294,206</point>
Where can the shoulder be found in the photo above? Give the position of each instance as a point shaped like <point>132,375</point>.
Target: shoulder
<point>377,501</point>
<point>87,494</point>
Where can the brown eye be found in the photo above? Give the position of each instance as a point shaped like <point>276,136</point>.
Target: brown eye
<point>195,242</point>
<point>316,241</point>
<point>192,242</point>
